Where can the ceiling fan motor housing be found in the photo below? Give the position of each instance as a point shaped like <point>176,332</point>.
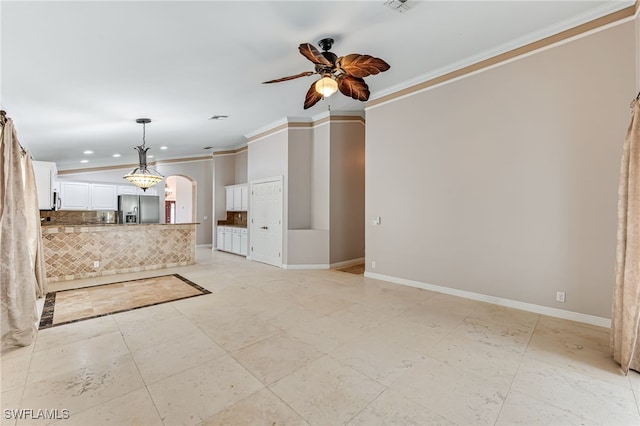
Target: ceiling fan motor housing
<point>325,44</point>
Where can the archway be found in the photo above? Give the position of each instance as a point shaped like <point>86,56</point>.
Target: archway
<point>180,199</point>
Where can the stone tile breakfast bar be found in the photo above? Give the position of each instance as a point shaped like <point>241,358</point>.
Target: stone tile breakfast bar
<point>92,250</point>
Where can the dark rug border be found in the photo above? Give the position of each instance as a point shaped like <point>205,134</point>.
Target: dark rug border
<point>46,320</point>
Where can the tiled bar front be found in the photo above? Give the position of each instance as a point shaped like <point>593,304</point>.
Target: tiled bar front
<point>70,251</point>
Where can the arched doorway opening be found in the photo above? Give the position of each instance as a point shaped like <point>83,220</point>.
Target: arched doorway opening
<point>180,199</point>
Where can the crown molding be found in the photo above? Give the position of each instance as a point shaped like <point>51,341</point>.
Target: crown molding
<point>132,165</point>
<point>508,53</point>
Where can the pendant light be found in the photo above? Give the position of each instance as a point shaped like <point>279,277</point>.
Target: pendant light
<point>143,176</point>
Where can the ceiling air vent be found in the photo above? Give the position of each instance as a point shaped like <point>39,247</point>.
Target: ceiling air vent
<point>400,6</point>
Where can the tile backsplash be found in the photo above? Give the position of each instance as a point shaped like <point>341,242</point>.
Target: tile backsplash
<point>72,217</point>
<point>235,218</point>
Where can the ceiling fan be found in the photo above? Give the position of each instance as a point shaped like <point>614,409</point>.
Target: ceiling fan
<point>344,73</point>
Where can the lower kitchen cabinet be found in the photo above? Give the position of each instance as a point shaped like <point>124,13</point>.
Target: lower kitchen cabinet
<point>233,239</point>
<point>244,242</point>
<point>220,239</point>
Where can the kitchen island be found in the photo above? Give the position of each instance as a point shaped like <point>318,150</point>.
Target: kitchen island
<point>83,251</point>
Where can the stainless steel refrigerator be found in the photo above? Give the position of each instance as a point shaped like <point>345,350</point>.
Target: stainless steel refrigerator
<point>138,209</point>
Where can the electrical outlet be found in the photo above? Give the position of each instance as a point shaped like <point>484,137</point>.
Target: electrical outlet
<point>373,265</point>
<point>96,264</point>
<point>560,296</point>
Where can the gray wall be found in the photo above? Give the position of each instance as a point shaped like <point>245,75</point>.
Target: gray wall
<point>241,167</point>
<point>505,182</point>
<point>320,178</point>
<point>300,163</point>
<point>347,214</point>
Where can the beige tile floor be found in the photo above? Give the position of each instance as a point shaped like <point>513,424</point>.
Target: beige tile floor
<point>282,347</point>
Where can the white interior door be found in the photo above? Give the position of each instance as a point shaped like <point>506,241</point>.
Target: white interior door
<point>266,222</point>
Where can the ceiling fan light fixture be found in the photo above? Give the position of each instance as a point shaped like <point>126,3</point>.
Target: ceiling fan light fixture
<point>326,86</point>
<point>143,176</point>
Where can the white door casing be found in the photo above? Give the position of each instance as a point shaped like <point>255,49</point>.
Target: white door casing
<point>266,221</point>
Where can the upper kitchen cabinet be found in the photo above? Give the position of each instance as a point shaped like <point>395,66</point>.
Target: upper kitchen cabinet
<point>74,195</point>
<point>88,196</point>
<point>46,184</point>
<point>134,190</point>
<point>237,198</point>
<point>128,190</point>
<point>103,197</point>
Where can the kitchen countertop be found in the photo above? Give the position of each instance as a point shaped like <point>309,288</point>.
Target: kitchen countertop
<point>85,225</point>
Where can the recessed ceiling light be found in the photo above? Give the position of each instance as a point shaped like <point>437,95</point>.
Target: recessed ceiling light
<point>84,161</point>
<point>149,156</point>
<point>116,155</point>
<point>219,117</point>
<point>88,152</point>
<point>163,147</point>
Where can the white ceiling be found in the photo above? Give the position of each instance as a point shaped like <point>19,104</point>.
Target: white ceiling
<point>76,75</point>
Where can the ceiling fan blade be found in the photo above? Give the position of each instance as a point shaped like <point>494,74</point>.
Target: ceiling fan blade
<point>312,97</point>
<point>361,66</point>
<point>314,55</point>
<point>291,77</point>
<point>354,87</point>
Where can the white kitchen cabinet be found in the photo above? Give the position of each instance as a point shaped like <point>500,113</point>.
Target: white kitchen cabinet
<point>149,191</point>
<point>229,204</point>
<point>228,238</point>
<point>103,197</point>
<point>127,190</point>
<point>88,196</point>
<point>75,195</point>
<point>220,239</point>
<point>134,190</point>
<point>232,239</point>
<point>46,174</point>
<point>235,243</point>
<point>244,198</point>
<point>244,242</point>
<point>237,198</point>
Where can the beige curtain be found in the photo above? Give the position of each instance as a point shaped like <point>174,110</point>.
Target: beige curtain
<point>22,277</point>
<point>34,230</point>
<point>625,323</point>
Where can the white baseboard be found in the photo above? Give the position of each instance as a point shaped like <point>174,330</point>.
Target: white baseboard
<point>342,264</point>
<point>312,266</point>
<point>204,245</point>
<point>530,307</point>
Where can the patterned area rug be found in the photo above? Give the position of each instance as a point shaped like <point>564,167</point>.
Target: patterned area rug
<point>67,306</point>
